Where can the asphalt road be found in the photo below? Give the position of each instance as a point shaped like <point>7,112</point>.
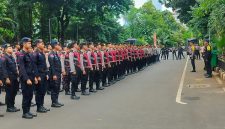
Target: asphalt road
<point>146,100</point>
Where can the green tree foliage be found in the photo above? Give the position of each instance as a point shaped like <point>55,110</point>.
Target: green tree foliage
<point>205,18</point>
<point>182,7</point>
<point>7,25</point>
<point>95,20</point>
<point>208,20</point>
<point>146,21</point>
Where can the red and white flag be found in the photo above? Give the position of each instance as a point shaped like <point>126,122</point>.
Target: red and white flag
<point>155,39</point>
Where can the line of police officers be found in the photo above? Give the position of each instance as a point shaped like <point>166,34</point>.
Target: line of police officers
<point>39,70</point>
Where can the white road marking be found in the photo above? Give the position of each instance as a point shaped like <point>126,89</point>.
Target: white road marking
<point>179,92</point>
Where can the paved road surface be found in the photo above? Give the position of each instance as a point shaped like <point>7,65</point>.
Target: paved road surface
<point>145,100</point>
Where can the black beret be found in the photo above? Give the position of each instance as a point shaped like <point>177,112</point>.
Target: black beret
<point>54,42</point>
<point>70,45</point>
<point>37,41</point>
<point>25,40</point>
<point>6,45</point>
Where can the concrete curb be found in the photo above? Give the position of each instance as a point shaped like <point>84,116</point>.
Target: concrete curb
<point>220,72</point>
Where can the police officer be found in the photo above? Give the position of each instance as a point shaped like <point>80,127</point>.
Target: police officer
<point>130,60</point>
<point>48,65</point>
<point>94,66</point>
<point>28,77</point>
<point>40,62</point>
<point>167,51</point>
<point>112,62</point>
<point>16,54</point>
<point>11,75</point>
<point>207,58</point>
<point>55,70</point>
<point>99,65</point>
<point>66,68</point>
<point>85,67</point>
<point>192,54</point>
<point>163,55</point>
<point>180,52</point>
<point>75,69</point>
<point>1,79</point>
<point>174,52</point>
<point>107,66</point>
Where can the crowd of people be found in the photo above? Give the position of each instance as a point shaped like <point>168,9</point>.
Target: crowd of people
<point>205,51</point>
<point>177,53</point>
<point>37,69</point>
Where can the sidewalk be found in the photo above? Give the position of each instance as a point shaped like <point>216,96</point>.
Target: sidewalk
<point>201,89</point>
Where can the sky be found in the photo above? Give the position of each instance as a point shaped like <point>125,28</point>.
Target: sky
<point>139,3</point>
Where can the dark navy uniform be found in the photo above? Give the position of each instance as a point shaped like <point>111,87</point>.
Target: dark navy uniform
<point>112,68</point>
<point>1,72</point>
<point>55,69</point>
<point>67,77</point>
<point>74,71</point>
<point>92,73</point>
<point>27,70</point>
<point>11,73</point>
<point>86,66</point>
<point>40,62</point>
<point>207,59</point>
<point>76,63</point>
<point>105,71</point>
<point>1,79</point>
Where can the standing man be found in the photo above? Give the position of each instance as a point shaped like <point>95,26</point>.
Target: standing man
<point>11,74</point>
<point>66,67</point>
<point>55,70</point>
<point>207,59</point>
<point>100,65</point>
<point>167,52</point>
<point>107,66</point>
<point>1,79</point>
<point>192,55</point>
<point>197,52</point>
<point>75,69</point>
<point>174,52</point>
<point>180,52</point>
<point>48,66</point>
<point>85,67</point>
<point>158,52</point>
<point>41,88</point>
<point>94,66</point>
<point>16,54</point>
<point>28,77</point>
<point>163,53</point>
<point>112,65</point>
